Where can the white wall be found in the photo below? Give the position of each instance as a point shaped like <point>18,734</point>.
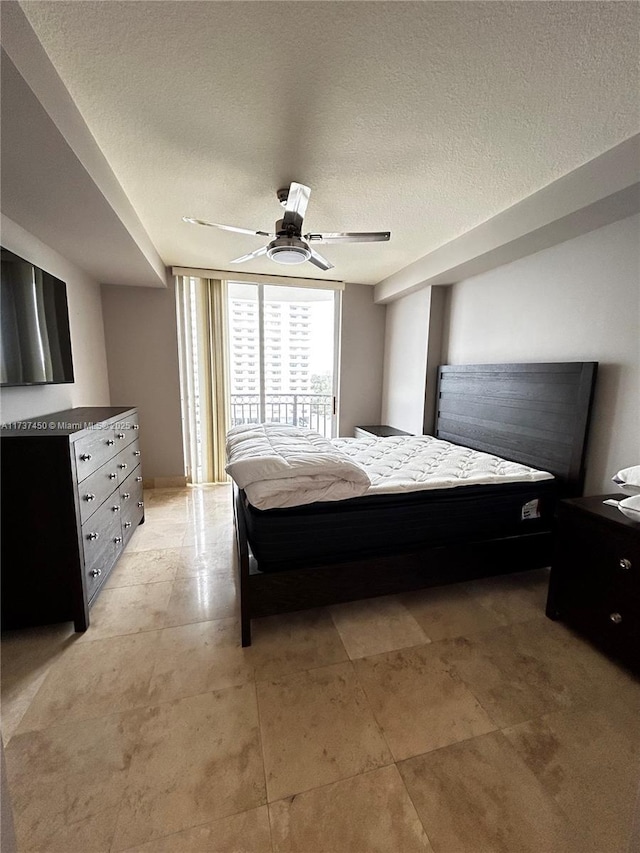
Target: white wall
<point>405,361</point>
<point>578,301</point>
<point>91,386</point>
<point>361,363</point>
<point>142,353</point>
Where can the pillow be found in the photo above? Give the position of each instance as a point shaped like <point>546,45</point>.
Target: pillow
<point>628,480</point>
<point>631,507</point>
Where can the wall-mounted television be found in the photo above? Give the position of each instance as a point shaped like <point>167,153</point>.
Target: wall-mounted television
<point>35,344</point>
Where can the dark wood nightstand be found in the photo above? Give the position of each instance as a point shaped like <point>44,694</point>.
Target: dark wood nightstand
<point>377,431</point>
<point>595,576</point>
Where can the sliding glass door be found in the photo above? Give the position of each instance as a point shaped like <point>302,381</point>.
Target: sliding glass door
<point>283,355</point>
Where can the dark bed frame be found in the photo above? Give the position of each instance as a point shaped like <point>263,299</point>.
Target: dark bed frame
<point>536,414</point>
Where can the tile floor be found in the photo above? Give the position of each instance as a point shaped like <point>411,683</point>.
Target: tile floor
<point>456,720</point>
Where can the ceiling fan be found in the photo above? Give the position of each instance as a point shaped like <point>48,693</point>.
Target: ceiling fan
<point>288,246</point>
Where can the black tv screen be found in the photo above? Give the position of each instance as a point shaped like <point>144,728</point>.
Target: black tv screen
<point>35,344</point>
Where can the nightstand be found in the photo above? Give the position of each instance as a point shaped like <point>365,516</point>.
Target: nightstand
<point>595,576</point>
<point>377,431</point>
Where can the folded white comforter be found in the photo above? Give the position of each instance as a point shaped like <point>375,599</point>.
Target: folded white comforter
<point>281,466</point>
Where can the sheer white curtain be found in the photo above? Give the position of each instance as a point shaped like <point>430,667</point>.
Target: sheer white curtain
<point>202,336</point>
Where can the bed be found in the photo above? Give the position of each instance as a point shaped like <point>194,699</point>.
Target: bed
<point>331,551</point>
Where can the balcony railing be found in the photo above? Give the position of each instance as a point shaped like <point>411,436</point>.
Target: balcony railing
<point>313,411</point>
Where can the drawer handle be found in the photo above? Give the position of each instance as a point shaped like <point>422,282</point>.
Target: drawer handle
<point>140,504</point>
<point>127,524</point>
<point>95,573</point>
<point>125,496</point>
<point>135,426</point>
<point>92,536</point>
<point>110,442</point>
<point>113,476</point>
<point>624,563</point>
<point>116,508</point>
<point>123,465</point>
<point>85,457</point>
<point>137,452</point>
<point>118,540</point>
<point>120,435</point>
<point>89,497</point>
<point>616,618</point>
<point>138,479</point>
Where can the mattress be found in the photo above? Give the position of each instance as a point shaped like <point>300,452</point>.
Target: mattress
<point>382,523</point>
<point>402,464</point>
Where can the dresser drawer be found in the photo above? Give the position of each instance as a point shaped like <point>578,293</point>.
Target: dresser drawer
<point>93,450</point>
<point>126,430</point>
<point>132,503</point>
<point>96,488</point>
<point>128,458</point>
<point>102,542</point>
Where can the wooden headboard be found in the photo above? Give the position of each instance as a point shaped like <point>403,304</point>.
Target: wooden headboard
<point>536,414</point>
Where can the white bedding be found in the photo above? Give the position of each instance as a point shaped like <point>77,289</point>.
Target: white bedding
<point>283,466</point>
<point>414,463</point>
<point>280,466</point>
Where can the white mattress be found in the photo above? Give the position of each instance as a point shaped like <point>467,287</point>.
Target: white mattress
<point>415,463</point>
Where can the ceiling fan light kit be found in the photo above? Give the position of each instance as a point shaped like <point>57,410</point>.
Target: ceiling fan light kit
<point>289,246</point>
<point>288,250</point>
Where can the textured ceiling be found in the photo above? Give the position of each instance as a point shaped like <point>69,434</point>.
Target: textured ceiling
<point>421,118</point>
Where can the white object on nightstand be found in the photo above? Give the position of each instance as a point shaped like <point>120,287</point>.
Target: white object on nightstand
<point>628,480</point>
<point>631,507</point>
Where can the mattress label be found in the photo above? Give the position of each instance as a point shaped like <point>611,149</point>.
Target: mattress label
<point>531,509</point>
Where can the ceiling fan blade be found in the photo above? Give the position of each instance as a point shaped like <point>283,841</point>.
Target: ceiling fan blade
<point>296,206</point>
<point>349,237</point>
<point>319,261</point>
<point>193,221</point>
<point>250,256</point>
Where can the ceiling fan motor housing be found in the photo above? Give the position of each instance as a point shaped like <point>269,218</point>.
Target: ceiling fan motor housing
<point>288,250</point>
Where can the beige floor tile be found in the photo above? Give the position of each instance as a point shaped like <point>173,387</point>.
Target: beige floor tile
<point>293,642</point>
<point>595,680</point>
<point>196,760</point>
<point>522,671</point>
<point>196,560</point>
<point>418,703</point>
<point>589,761</point>
<point>449,611</point>
<point>199,658</point>
<point>371,813</point>
<point>479,796</point>
<point>153,536</point>
<point>15,700</point>
<point>157,513</point>
<point>129,609</point>
<point>168,498</point>
<point>210,535</point>
<point>376,625</point>
<point>27,656</point>
<point>95,679</point>
<point>513,598</point>
<point>247,832</point>
<point>139,567</point>
<point>201,599</point>
<point>513,676</point>
<point>317,728</point>
<point>67,783</point>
